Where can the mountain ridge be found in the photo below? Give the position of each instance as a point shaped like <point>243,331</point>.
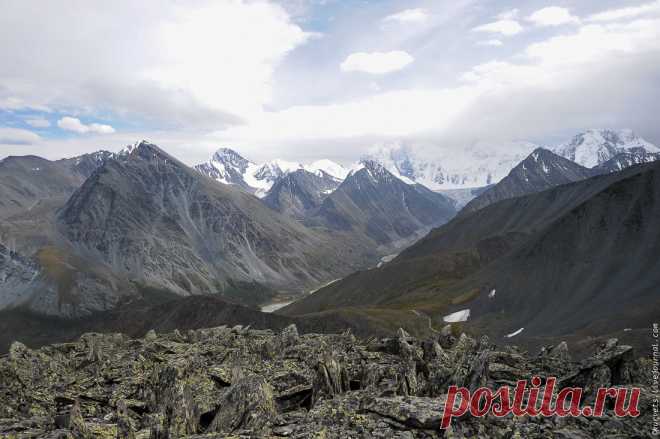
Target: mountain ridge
<point>525,245</point>
<point>541,170</point>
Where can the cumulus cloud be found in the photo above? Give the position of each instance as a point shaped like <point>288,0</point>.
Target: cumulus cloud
<point>38,122</point>
<point>376,63</point>
<point>504,27</point>
<point>191,65</point>
<point>74,124</point>
<point>409,16</point>
<point>547,88</point>
<point>492,43</point>
<point>16,136</point>
<point>219,72</point>
<point>625,13</point>
<point>553,16</point>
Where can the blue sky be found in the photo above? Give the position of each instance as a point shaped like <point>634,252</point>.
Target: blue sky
<point>302,79</point>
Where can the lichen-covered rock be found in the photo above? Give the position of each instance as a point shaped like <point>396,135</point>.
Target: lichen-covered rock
<point>248,405</point>
<point>124,426</point>
<point>290,335</point>
<point>331,378</point>
<point>613,365</point>
<point>239,382</point>
<point>79,429</point>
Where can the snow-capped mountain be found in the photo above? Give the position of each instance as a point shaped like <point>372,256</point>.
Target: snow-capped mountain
<point>477,165</point>
<point>541,170</point>
<point>229,167</point>
<point>481,164</point>
<point>374,202</point>
<point>329,167</point>
<point>596,146</point>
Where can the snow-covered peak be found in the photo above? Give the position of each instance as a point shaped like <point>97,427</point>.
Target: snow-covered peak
<point>128,149</point>
<point>329,167</point>
<point>229,167</point>
<point>396,158</point>
<point>596,146</point>
<point>226,166</point>
<point>380,172</point>
<point>283,166</point>
<point>226,156</point>
<point>478,164</point>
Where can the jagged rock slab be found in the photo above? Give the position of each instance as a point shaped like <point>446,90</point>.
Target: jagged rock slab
<point>241,382</point>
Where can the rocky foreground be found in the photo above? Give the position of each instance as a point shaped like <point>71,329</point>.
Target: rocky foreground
<point>240,382</point>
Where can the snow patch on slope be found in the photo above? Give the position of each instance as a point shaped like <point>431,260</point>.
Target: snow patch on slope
<point>514,333</point>
<point>329,167</point>
<point>458,316</point>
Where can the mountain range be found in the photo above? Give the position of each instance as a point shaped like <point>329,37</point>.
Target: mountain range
<point>541,170</point>
<point>367,201</point>
<point>82,235</point>
<point>579,258</point>
<point>100,233</point>
<point>229,167</point>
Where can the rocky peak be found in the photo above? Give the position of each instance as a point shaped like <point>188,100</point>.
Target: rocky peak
<point>376,171</point>
<point>540,170</point>
<point>145,150</point>
<point>229,157</point>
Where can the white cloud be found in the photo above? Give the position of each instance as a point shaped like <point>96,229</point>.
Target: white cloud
<point>38,122</point>
<point>567,56</point>
<point>16,136</point>
<point>508,15</point>
<point>624,13</point>
<point>597,43</point>
<point>75,125</point>
<point>504,27</point>
<point>601,74</point>
<point>409,16</point>
<point>548,87</point>
<point>186,65</point>
<point>553,16</point>
<point>493,43</point>
<point>376,63</point>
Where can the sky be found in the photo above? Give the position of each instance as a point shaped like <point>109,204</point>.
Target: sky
<point>305,79</point>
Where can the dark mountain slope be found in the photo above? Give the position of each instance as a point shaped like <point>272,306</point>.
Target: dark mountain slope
<point>300,192</point>
<point>134,318</point>
<point>541,170</point>
<point>459,247</point>
<point>596,268</point>
<point>373,202</point>
<point>84,165</point>
<point>585,254</point>
<point>522,215</point>
<point>31,184</point>
<point>154,220</point>
<point>165,312</point>
<point>25,181</point>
